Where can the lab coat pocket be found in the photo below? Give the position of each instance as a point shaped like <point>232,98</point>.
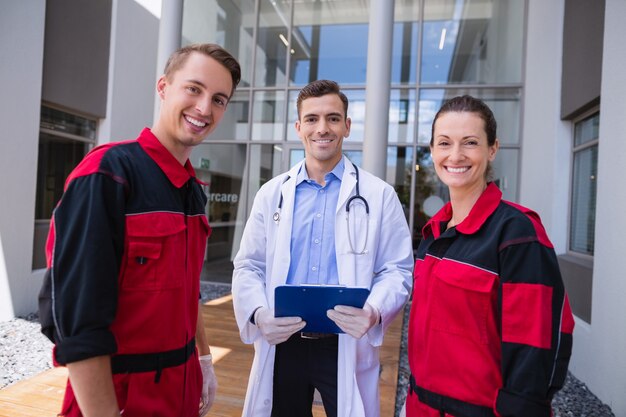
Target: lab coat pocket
<point>462,300</point>
<point>155,252</point>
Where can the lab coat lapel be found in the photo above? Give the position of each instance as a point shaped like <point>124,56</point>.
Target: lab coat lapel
<point>348,183</point>
<point>282,253</point>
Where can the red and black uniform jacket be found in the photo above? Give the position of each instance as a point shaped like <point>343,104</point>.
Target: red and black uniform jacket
<point>125,253</point>
<point>490,330</point>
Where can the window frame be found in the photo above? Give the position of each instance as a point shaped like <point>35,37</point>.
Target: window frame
<point>574,150</point>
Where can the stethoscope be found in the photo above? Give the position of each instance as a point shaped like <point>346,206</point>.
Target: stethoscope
<point>357,196</point>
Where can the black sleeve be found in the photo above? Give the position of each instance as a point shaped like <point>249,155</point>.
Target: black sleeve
<point>536,346</point>
<point>82,281</point>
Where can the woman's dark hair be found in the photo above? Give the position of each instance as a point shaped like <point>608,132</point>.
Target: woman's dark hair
<point>472,105</point>
<point>320,88</point>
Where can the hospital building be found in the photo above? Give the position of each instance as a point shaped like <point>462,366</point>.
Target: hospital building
<point>79,73</point>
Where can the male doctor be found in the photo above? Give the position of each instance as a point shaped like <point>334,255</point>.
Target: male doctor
<point>300,233</point>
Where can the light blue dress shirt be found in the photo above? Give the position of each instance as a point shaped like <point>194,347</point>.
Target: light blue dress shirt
<point>313,258</point>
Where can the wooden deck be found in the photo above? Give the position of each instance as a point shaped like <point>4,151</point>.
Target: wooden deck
<point>41,395</point>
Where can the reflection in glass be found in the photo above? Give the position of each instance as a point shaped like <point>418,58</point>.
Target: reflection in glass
<point>272,43</point>
<point>584,185</point>
<point>356,112</point>
<point>405,34</point>
<point>587,130</point>
<point>472,42</point>
<point>427,189</point>
<point>503,102</point>
<point>402,116</point>
<point>221,167</point>
<point>505,172</point>
<point>584,189</point>
<point>264,164</point>
<point>58,156</point>
<point>329,41</point>
<point>228,23</point>
<point>268,115</point>
<point>399,161</point>
<point>234,124</point>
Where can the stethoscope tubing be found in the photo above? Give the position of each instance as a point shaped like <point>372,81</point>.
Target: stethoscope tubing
<point>357,196</point>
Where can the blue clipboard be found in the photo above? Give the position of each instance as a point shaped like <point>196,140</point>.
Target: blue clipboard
<point>312,301</point>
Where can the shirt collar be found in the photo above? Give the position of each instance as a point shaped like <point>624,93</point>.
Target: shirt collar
<point>176,173</point>
<point>480,212</point>
<point>337,171</point>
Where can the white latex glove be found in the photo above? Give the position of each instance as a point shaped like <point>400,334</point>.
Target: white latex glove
<point>354,321</point>
<point>276,329</point>
<point>209,384</point>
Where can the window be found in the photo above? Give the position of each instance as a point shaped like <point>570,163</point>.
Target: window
<point>584,185</point>
<point>221,167</point>
<point>64,139</point>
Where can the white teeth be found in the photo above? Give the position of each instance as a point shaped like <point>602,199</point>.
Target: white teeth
<point>195,122</point>
<point>322,141</point>
<point>457,170</point>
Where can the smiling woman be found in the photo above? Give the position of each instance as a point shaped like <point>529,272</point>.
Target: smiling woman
<point>488,299</point>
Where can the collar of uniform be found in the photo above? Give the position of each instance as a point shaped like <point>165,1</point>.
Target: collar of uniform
<point>432,226</point>
<point>337,171</point>
<point>483,208</point>
<point>176,173</point>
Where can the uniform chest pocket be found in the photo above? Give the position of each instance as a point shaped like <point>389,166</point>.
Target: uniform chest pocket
<point>156,250</point>
<point>462,301</point>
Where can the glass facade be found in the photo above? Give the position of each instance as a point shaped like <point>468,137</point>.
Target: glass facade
<point>441,48</point>
<point>64,139</point>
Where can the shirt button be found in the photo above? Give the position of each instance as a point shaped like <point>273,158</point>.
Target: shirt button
<point>318,215</point>
<point>314,268</point>
<point>316,241</point>
<point>321,191</point>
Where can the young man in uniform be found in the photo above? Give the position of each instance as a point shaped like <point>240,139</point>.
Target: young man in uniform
<point>125,251</point>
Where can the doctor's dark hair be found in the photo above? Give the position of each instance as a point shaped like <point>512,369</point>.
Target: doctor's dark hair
<point>221,55</point>
<point>320,88</point>
<point>472,105</point>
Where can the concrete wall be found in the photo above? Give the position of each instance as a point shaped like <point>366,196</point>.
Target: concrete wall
<point>129,107</point>
<point>546,141</point>
<point>21,49</point>
<point>132,80</point>
<point>598,356</point>
<point>599,348</point>
<point>582,56</point>
<point>76,54</point>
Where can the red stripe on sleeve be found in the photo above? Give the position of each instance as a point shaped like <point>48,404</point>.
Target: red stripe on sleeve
<point>567,320</point>
<point>527,314</point>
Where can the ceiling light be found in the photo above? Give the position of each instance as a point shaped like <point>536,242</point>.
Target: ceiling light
<point>282,38</point>
<point>442,40</point>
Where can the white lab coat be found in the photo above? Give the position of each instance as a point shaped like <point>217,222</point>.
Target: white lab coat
<point>262,263</point>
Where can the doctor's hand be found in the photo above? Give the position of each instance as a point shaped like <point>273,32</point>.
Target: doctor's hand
<point>354,321</point>
<point>209,384</point>
<point>276,329</point>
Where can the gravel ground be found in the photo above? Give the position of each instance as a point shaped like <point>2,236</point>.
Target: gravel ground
<point>25,352</point>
